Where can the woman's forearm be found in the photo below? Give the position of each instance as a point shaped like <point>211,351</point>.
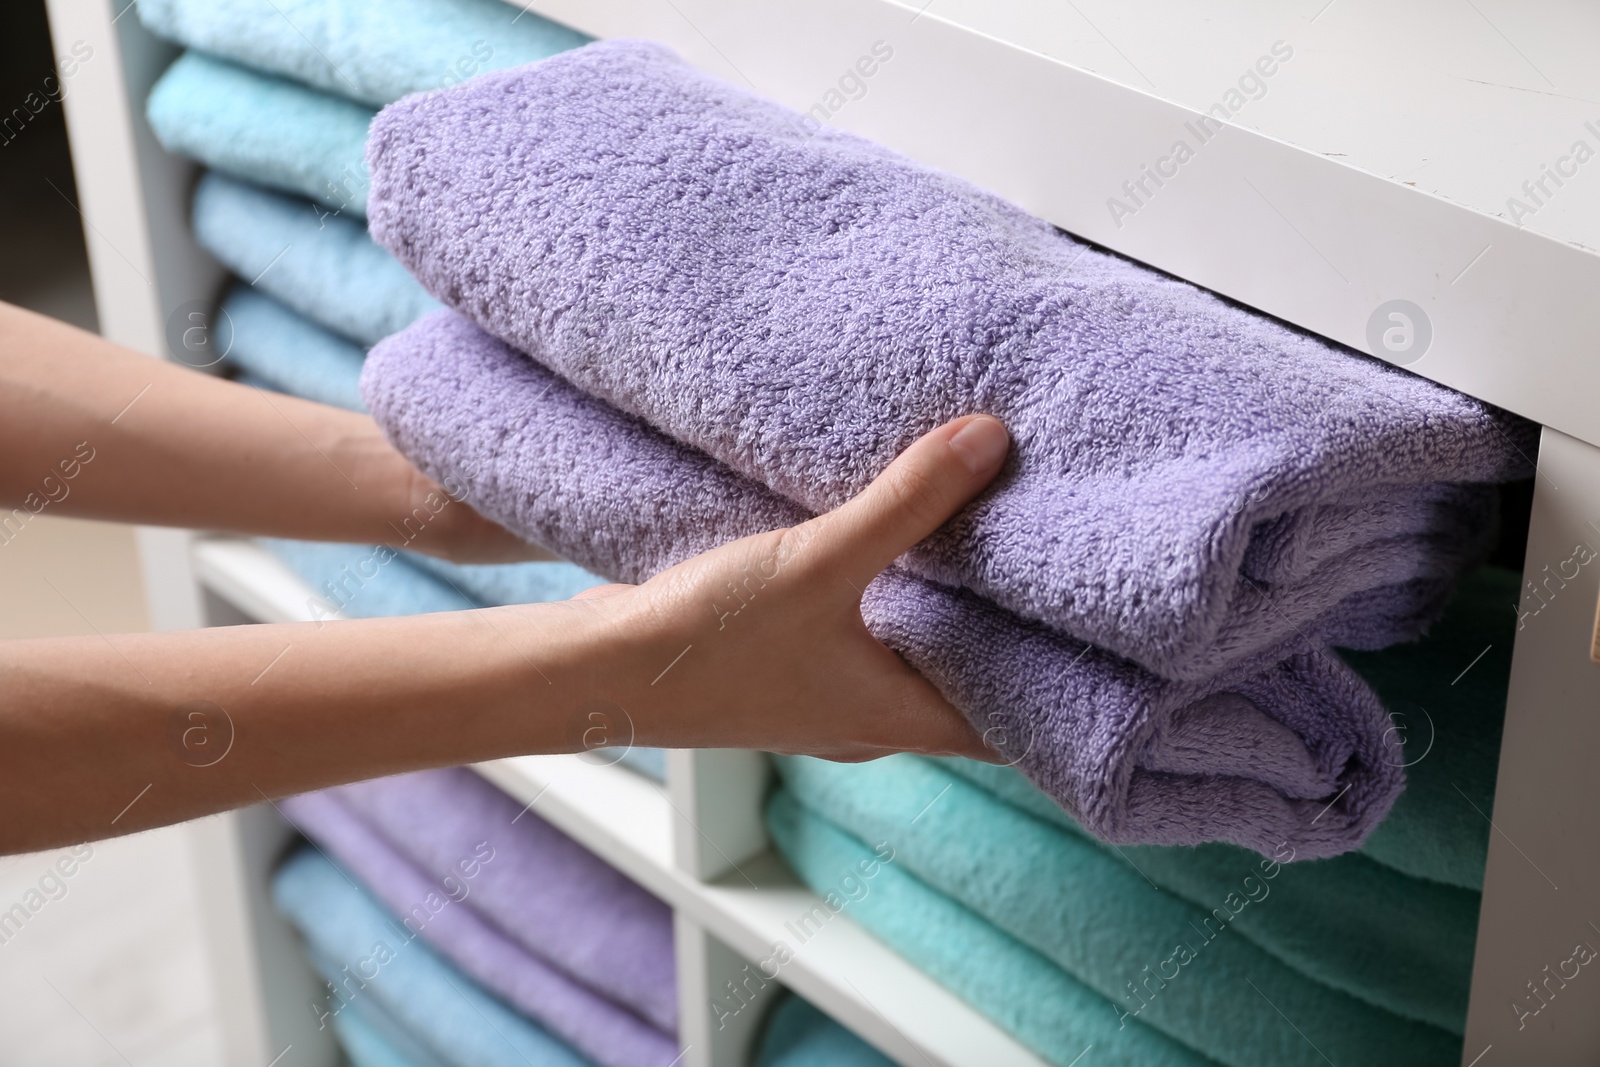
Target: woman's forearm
<point>158,728</point>
<point>97,431</point>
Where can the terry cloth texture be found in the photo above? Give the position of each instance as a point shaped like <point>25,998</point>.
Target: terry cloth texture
<point>271,345</point>
<point>369,1037</point>
<point>1348,934</point>
<point>1036,1001</point>
<point>1192,482</point>
<point>441,910</point>
<point>373,51</point>
<point>264,129</point>
<point>1437,831</point>
<point>373,956</point>
<point>1449,707</point>
<point>321,266</point>
<point>1289,751</point>
<point>615,938</point>
<point>798,1035</point>
<point>1194,984</point>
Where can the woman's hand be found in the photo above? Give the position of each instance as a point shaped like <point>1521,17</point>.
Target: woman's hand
<point>760,643</point>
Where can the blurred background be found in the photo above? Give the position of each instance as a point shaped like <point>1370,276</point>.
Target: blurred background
<point>112,972</point>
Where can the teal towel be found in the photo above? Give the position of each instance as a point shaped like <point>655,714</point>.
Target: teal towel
<point>1044,1007</point>
<point>375,51</point>
<point>377,957</point>
<point>798,1035</point>
<point>265,129</point>
<point>1396,942</point>
<point>1450,711</point>
<point>321,266</point>
<point>271,345</point>
<point>1172,965</point>
<point>369,1037</point>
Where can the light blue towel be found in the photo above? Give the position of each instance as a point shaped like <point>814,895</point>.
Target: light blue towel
<point>322,266</point>
<point>377,957</point>
<point>374,51</point>
<point>264,129</point>
<point>369,1037</point>
<point>798,1035</point>
<point>367,581</point>
<point>272,345</point>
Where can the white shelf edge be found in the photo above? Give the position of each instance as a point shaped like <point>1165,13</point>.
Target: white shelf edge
<point>256,582</point>
<point>844,970</point>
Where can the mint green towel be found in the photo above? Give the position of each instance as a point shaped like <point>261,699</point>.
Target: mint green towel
<point>1174,966</point>
<point>1396,942</point>
<point>264,129</point>
<point>1043,1006</point>
<point>321,266</point>
<point>798,1035</point>
<point>1449,706</point>
<point>374,51</point>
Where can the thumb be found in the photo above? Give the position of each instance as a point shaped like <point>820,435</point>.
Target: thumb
<point>914,496</point>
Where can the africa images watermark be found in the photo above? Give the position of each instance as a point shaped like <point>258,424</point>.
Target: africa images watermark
<point>852,85</point>
<point>853,886</point>
<point>353,978</point>
<point>1253,889</point>
<point>1141,189</point>
<point>51,886</point>
<point>51,91</point>
<point>53,489</point>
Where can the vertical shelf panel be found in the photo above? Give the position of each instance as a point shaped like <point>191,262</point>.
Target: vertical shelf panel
<point>717,796</point>
<point>722,998</point>
<point>1541,895</point>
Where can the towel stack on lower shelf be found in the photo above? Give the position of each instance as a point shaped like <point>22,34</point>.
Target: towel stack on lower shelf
<point>509,902</point>
<point>1210,954</point>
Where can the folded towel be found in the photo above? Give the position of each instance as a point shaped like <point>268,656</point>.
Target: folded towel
<point>803,304</point>
<point>1022,992</point>
<point>1289,751</point>
<point>1375,951</point>
<point>374,51</point>
<point>376,957</point>
<point>323,266</point>
<point>1447,694</point>
<point>443,913</point>
<point>264,129</point>
<point>272,344</point>
<point>798,1035</point>
<point>366,581</point>
<point>545,891</point>
<point>1151,967</point>
<point>369,1036</point>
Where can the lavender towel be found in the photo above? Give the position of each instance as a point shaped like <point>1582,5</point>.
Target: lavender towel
<point>1192,483</point>
<point>613,936</point>
<point>1290,749</point>
<point>443,912</point>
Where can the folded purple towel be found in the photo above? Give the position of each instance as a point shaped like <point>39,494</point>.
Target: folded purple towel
<point>442,911</point>
<point>802,304</point>
<point>609,934</point>
<point>1287,750</point>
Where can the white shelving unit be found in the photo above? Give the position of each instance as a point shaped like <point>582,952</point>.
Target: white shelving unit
<point>1377,162</point>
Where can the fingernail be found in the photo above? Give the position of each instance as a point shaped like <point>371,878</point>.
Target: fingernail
<point>981,444</point>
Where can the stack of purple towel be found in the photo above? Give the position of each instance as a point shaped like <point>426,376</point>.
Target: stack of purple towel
<point>678,319</point>
<point>529,913</point>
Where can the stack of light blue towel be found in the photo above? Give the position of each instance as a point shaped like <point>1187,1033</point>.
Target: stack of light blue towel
<point>281,94</point>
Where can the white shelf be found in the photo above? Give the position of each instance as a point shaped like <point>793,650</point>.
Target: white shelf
<point>844,970</point>
<point>255,581</point>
